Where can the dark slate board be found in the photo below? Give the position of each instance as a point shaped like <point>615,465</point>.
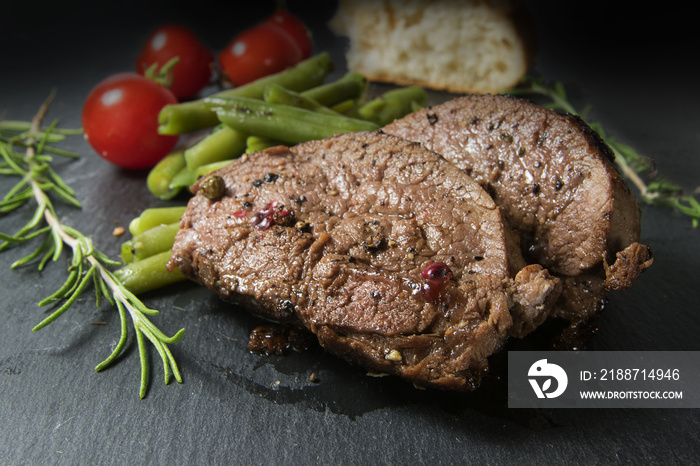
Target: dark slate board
<point>637,72</point>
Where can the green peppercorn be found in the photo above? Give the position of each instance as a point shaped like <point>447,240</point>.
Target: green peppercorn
<point>213,187</point>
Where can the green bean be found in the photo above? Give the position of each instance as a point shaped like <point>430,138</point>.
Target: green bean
<point>222,144</point>
<point>191,116</point>
<point>148,274</point>
<point>305,75</point>
<point>283,122</point>
<point>206,169</point>
<point>183,180</point>
<point>351,86</point>
<point>277,94</point>
<point>258,143</point>
<point>346,107</point>
<point>345,92</point>
<point>393,104</point>
<point>161,175</point>
<point>155,216</point>
<point>152,241</point>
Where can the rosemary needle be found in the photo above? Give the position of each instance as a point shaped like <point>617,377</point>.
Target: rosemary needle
<point>24,149</point>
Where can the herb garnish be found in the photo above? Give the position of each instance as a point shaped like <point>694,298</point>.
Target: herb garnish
<point>658,191</point>
<point>38,181</point>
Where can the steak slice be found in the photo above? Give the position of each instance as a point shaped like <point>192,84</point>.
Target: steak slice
<point>555,181</point>
<point>392,256</point>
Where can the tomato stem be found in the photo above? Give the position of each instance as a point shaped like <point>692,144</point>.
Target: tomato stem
<point>162,75</point>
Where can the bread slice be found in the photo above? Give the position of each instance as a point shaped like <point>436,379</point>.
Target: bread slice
<point>476,46</point>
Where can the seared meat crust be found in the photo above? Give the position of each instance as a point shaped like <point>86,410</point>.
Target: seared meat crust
<point>555,181</point>
<point>335,235</point>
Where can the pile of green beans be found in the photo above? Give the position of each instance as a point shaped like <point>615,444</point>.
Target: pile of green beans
<point>289,107</point>
<point>290,125</point>
<point>149,250</point>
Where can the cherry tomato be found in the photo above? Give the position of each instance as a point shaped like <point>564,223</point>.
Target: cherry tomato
<point>295,28</point>
<point>120,120</point>
<point>262,50</point>
<point>195,63</point>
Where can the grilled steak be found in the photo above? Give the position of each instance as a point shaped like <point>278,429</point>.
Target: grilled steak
<point>393,257</point>
<point>554,179</point>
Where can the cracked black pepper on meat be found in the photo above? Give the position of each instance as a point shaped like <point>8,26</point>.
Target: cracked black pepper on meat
<point>422,258</point>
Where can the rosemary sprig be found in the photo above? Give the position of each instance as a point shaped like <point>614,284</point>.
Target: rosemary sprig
<point>658,191</point>
<point>88,266</point>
